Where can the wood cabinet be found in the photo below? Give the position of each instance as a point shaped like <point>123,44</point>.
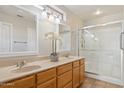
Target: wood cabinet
<point>78,73</point>
<point>48,84</point>
<point>69,85</point>
<point>82,76</point>
<point>25,82</point>
<point>64,68</point>
<point>46,75</point>
<point>64,73</point>
<point>82,61</point>
<point>82,71</point>
<point>64,79</point>
<point>76,64</point>
<point>65,76</point>
<point>47,79</point>
<point>76,77</point>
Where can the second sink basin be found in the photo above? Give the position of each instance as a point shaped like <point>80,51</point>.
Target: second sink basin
<point>26,69</point>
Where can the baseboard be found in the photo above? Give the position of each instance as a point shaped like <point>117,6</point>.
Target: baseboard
<point>105,78</point>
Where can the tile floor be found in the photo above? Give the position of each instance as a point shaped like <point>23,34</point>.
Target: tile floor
<point>93,83</point>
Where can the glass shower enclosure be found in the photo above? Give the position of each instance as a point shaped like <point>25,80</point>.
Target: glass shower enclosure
<point>100,45</point>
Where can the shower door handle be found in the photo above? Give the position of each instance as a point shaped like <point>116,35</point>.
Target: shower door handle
<point>83,44</point>
<point>122,41</point>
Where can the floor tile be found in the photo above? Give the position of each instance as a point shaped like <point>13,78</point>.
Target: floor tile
<point>99,84</point>
<point>94,83</point>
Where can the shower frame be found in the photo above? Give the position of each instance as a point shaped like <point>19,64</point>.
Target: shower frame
<point>122,51</point>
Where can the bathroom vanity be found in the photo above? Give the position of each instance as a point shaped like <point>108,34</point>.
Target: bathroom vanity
<point>67,73</point>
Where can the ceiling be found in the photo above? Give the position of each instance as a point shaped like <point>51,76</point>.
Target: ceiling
<point>86,12</point>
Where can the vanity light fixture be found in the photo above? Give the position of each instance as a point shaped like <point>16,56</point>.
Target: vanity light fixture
<point>51,14</point>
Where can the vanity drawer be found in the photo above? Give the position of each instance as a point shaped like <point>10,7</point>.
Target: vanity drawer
<point>26,82</point>
<point>48,84</point>
<point>76,64</point>
<point>64,79</point>
<point>82,61</point>
<point>46,75</point>
<point>64,68</point>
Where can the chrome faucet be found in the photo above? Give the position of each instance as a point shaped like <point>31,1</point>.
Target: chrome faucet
<point>21,64</point>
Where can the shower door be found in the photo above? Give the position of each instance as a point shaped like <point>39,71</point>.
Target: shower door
<point>101,48</point>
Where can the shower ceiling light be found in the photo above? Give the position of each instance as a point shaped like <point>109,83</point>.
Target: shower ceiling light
<point>98,12</point>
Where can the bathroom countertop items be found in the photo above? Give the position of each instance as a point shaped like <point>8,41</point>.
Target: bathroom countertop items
<point>12,72</point>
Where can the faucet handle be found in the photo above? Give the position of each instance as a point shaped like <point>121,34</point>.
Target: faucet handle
<point>24,61</point>
<point>20,64</point>
<point>17,64</point>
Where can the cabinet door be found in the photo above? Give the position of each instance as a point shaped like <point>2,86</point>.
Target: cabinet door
<point>82,71</point>
<point>64,68</point>
<point>64,79</point>
<point>69,85</point>
<point>46,75</point>
<point>26,82</point>
<point>76,64</point>
<point>49,84</point>
<point>82,61</point>
<point>76,79</point>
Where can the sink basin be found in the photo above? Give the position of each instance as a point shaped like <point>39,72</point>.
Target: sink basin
<point>26,69</point>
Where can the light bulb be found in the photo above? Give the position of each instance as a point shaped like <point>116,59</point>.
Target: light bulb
<point>44,14</point>
<point>60,17</point>
<point>51,18</point>
<point>92,36</point>
<point>98,12</point>
<point>96,39</point>
<point>57,20</point>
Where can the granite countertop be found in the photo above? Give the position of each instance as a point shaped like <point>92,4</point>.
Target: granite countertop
<point>7,74</point>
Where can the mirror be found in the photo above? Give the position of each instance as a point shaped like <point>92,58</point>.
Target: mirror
<point>44,27</point>
<point>17,30</point>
